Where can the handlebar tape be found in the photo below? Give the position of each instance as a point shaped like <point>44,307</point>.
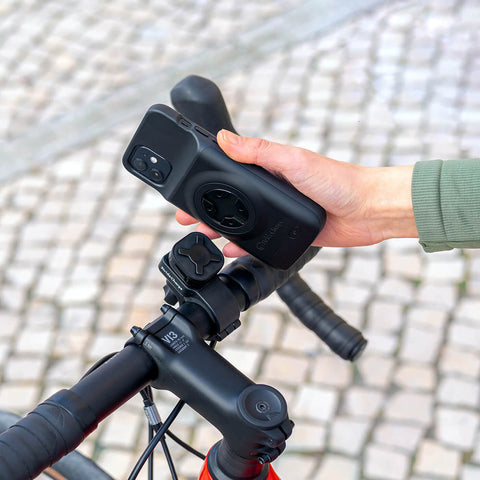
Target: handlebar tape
<point>341,337</point>
<point>42,437</point>
<point>59,424</point>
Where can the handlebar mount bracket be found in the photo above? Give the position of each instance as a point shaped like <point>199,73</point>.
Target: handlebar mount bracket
<point>191,269</point>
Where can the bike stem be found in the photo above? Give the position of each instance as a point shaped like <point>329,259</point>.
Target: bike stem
<point>252,418</point>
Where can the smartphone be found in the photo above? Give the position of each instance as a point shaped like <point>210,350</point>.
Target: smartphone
<point>253,208</point>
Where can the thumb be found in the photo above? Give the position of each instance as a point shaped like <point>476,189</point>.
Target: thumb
<point>269,155</point>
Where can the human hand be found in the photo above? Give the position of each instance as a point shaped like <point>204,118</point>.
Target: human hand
<point>364,205</point>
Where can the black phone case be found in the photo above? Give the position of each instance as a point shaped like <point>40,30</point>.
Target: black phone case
<point>246,204</point>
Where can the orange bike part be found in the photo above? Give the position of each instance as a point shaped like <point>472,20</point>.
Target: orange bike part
<point>204,475</point>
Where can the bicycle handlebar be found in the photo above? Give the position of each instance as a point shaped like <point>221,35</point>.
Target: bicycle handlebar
<point>191,370</point>
<point>60,423</point>
<point>201,100</point>
<point>343,339</point>
<point>187,367</point>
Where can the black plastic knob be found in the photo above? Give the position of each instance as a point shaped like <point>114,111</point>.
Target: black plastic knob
<point>196,258</point>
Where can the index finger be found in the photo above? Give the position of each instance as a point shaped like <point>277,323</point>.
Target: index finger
<point>184,218</point>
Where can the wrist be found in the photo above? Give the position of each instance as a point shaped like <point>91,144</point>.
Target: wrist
<point>390,202</point>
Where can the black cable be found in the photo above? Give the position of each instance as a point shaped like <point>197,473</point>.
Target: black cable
<point>158,436</point>
<point>98,363</point>
<point>161,430</point>
<point>147,396</point>
<point>151,433</point>
<point>186,446</point>
<point>169,459</point>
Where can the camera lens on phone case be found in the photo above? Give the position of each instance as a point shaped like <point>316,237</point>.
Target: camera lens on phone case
<point>150,165</point>
<point>156,175</point>
<point>139,164</point>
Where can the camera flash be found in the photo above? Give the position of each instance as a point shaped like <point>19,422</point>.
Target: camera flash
<point>153,160</point>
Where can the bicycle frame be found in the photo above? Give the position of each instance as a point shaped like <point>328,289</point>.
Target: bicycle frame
<point>205,473</point>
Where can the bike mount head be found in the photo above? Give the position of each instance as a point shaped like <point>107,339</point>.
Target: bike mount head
<point>191,270</point>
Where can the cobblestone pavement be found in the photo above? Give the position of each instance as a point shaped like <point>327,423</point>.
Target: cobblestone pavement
<point>80,238</point>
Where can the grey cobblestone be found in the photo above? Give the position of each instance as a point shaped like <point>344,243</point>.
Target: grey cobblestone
<point>363,402</point>
<point>435,460</point>
<point>397,435</point>
<point>315,403</point>
<point>331,371</point>
<point>80,239</point>
<point>376,371</point>
<point>338,466</point>
<point>386,463</point>
<point>415,377</point>
<point>348,435</point>
<point>456,427</point>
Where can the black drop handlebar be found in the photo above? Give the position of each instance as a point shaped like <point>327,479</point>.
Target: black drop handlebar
<point>170,353</point>
<point>190,369</point>
<point>59,424</point>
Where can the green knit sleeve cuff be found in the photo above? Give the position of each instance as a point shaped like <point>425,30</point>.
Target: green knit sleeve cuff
<point>446,203</point>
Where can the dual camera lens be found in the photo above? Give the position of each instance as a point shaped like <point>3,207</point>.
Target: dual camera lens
<point>150,165</point>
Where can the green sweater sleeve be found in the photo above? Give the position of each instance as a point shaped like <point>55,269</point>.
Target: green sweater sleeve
<point>446,203</point>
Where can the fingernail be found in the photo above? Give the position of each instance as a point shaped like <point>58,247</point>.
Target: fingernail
<point>230,137</point>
